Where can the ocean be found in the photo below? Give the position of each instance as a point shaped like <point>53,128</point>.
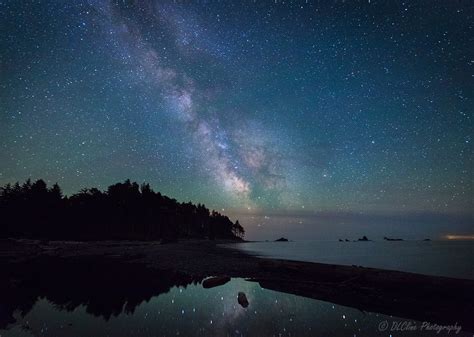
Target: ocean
<point>449,258</point>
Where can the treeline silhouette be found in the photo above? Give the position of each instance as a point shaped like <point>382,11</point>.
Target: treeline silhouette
<point>124,211</point>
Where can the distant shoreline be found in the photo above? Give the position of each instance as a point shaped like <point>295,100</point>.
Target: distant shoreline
<point>439,300</point>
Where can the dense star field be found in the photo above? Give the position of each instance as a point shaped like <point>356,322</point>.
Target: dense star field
<point>311,118</point>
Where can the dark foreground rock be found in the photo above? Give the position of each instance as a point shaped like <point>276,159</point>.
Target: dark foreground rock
<point>215,281</point>
<point>242,299</point>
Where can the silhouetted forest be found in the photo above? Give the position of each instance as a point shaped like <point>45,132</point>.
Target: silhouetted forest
<point>124,211</point>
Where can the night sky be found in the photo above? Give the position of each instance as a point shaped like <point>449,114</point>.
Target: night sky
<point>310,120</point>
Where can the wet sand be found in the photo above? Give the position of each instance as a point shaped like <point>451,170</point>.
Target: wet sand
<point>434,299</point>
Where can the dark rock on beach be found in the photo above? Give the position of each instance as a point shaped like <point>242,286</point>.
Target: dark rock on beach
<point>242,299</point>
<point>215,281</point>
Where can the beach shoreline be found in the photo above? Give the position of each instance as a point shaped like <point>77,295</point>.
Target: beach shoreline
<point>434,299</point>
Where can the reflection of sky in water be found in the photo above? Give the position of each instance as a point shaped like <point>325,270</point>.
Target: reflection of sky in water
<point>195,311</point>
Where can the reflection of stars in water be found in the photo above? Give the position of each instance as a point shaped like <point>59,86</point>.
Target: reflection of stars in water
<point>270,313</point>
<point>222,315</point>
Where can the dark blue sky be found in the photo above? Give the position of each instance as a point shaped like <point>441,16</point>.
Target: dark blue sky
<point>306,118</point>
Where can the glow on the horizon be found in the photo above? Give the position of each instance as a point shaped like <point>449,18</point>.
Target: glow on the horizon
<point>460,237</point>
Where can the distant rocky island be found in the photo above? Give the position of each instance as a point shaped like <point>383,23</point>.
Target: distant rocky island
<point>124,211</point>
<point>364,238</point>
<point>391,239</point>
<point>282,239</point>
<point>386,238</point>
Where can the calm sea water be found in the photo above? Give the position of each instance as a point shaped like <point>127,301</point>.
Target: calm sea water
<point>441,258</point>
<point>195,311</point>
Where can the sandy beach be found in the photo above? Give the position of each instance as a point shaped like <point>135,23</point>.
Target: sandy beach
<point>143,269</point>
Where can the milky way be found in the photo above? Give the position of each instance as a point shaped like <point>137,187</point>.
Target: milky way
<point>291,115</point>
<point>179,92</point>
